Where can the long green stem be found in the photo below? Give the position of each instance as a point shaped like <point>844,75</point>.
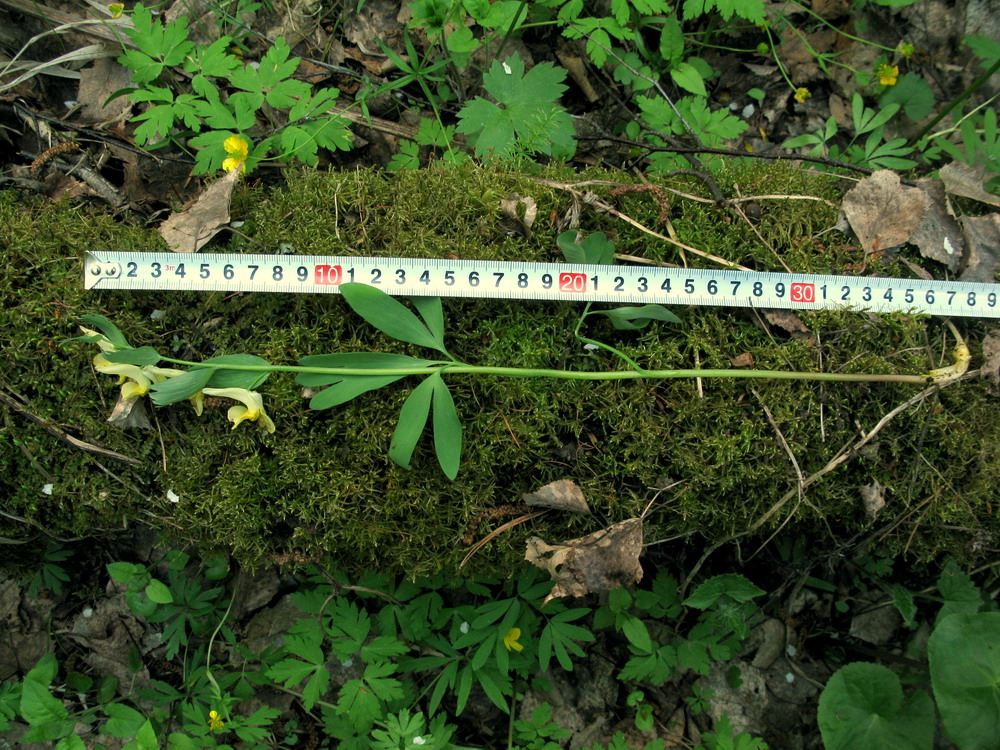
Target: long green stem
<point>532,372</point>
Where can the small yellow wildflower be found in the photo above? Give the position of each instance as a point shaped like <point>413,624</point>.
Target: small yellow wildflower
<point>252,406</point>
<point>116,9</point>
<point>138,384</point>
<point>510,640</point>
<point>801,94</point>
<point>238,149</point>
<point>215,722</point>
<point>906,50</point>
<point>888,74</point>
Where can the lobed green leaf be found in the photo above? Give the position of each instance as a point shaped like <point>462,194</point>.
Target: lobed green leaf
<point>388,315</point>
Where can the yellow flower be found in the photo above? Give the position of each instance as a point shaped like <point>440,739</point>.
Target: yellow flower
<point>510,640</point>
<point>238,149</point>
<point>215,722</point>
<point>802,94</point>
<point>137,385</point>
<point>888,74</point>
<point>906,49</point>
<point>252,406</point>
<point>116,9</point>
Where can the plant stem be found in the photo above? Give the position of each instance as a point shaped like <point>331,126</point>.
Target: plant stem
<point>532,372</point>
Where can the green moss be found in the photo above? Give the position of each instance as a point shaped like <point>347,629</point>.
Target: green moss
<point>322,485</point>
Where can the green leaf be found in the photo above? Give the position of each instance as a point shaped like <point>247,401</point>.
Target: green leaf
<point>351,386</point>
<point>671,40</point>
<point>172,390</point>
<point>433,315</point>
<point>984,47</point>
<point>729,585</point>
<point>635,631</point>
<point>912,93</point>
<point>109,329</point>
<point>412,419</point>
<point>688,78</point>
<point>964,654</point>
<point>158,592</point>
<point>596,248</point>
<point>958,591</point>
<point>353,360</point>
<point>447,430</point>
<point>388,315</point>
<point>144,355</point>
<point>124,721</point>
<point>622,317</point>
<point>751,10</point>
<point>124,572</point>
<point>248,379</point>
<point>862,706</point>
<point>38,705</point>
<point>526,112</point>
<point>903,600</point>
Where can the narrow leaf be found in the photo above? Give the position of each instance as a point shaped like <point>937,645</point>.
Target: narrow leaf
<point>351,386</point>
<point>144,355</point>
<point>358,360</point>
<point>622,318</point>
<point>237,378</point>
<point>109,329</point>
<point>412,419</point>
<point>183,386</point>
<point>447,430</point>
<point>388,315</point>
<point>432,313</point>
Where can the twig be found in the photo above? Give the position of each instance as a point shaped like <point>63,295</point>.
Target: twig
<point>497,531</point>
<point>66,438</point>
<point>601,205</point>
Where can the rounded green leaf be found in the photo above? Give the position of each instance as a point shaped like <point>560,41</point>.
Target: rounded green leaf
<point>688,78</point>
<point>964,653</point>
<point>158,592</point>
<point>862,706</point>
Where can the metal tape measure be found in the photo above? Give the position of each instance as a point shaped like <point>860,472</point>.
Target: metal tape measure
<point>413,277</point>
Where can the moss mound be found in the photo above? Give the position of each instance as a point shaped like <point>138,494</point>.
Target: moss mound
<point>322,486</point>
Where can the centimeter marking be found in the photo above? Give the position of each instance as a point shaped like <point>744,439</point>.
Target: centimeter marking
<point>415,277</point>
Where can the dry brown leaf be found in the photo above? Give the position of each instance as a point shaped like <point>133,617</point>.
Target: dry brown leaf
<point>519,224</point>
<point>592,564</point>
<point>790,322</point>
<point>961,179</point>
<point>991,357</point>
<point>129,413</point>
<point>939,235</point>
<point>882,212</point>
<point>873,498</point>
<point>742,360</point>
<point>188,231</point>
<point>982,242</point>
<point>97,83</point>
<point>563,494</point>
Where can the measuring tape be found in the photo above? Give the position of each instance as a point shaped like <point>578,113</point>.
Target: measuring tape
<point>413,277</point>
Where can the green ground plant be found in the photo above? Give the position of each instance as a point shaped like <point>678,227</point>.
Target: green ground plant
<point>236,113</point>
<point>380,661</point>
<point>864,704</point>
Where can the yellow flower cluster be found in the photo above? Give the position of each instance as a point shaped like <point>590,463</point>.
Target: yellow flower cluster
<point>136,382</point>
<point>802,94</point>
